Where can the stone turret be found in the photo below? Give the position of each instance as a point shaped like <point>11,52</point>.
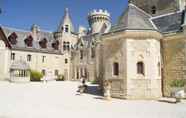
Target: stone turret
<point>99,21</point>
<point>66,25</point>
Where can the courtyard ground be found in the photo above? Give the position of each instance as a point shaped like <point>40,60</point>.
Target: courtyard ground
<point>60,100</point>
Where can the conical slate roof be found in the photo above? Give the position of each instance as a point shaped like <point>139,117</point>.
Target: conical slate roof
<point>66,21</point>
<point>134,18</point>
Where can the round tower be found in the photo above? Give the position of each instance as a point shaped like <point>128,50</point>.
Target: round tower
<point>99,21</point>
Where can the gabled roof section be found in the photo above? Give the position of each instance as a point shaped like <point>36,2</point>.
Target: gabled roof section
<point>169,22</point>
<point>134,18</point>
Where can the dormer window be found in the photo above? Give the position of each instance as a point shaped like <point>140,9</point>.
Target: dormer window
<point>28,41</point>
<point>66,28</point>
<point>12,38</point>
<point>55,45</point>
<point>153,9</point>
<point>43,43</point>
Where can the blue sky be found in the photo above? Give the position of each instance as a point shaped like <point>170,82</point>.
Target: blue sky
<point>48,13</point>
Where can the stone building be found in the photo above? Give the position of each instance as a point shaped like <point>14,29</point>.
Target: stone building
<point>44,51</point>
<point>139,55</point>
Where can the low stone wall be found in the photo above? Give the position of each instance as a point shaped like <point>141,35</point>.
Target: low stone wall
<point>144,89</point>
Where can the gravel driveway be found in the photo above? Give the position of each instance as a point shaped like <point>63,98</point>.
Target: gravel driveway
<point>60,100</point>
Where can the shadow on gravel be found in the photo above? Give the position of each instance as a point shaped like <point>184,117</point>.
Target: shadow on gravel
<point>93,90</point>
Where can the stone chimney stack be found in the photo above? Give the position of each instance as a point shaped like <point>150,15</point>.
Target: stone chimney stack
<point>35,30</point>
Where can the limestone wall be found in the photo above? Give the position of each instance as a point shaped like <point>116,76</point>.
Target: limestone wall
<point>174,55</point>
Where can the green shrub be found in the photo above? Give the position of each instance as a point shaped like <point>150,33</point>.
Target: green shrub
<point>178,83</point>
<point>60,78</point>
<point>94,82</point>
<point>35,75</point>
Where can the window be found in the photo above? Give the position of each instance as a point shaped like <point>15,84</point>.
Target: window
<point>43,43</point>
<point>92,52</point>
<point>66,61</point>
<point>28,41</point>
<point>66,46</point>
<point>140,68</point>
<point>66,28</point>
<point>159,69</point>
<point>43,58</point>
<point>12,56</point>
<point>43,72</point>
<point>12,38</point>
<point>153,10</point>
<point>81,54</point>
<point>55,45</point>
<point>29,57</point>
<point>116,69</point>
<point>56,72</point>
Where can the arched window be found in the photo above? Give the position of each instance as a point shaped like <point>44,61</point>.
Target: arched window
<point>153,9</point>
<point>140,68</point>
<point>116,69</point>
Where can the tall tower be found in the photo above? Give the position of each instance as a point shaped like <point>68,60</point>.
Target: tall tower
<point>99,21</point>
<point>66,25</point>
<point>64,33</point>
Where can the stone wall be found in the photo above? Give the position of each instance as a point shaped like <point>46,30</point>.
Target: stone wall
<point>144,88</point>
<point>174,56</point>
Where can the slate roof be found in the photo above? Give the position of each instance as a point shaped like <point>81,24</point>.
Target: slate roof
<point>133,18</point>
<point>169,23</point>
<point>22,35</point>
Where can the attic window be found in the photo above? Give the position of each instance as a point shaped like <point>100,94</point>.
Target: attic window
<point>12,38</point>
<point>43,43</point>
<point>55,45</point>
<point>28,41</point>
<point>153,9</point>
<point>66,28</point>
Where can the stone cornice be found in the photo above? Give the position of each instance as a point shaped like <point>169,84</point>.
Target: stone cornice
<point>133,34</point>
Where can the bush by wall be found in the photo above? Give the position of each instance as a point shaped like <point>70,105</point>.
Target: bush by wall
<point>178,83</point>
<point>35,75</point>
<point>60,78</point>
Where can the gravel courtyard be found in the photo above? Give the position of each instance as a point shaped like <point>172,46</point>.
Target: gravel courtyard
<point>59,100</point>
